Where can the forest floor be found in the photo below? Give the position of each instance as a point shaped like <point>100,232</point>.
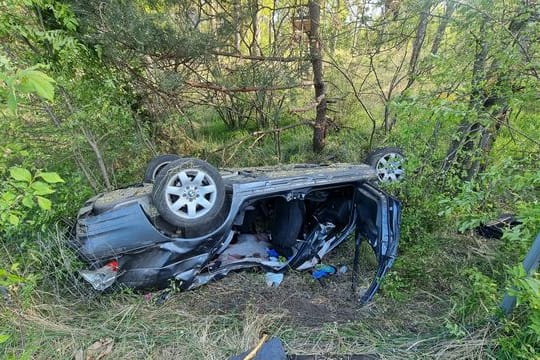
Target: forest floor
<point>228,316</point>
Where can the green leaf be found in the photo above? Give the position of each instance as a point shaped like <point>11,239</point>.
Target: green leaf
<point>44,203</point>
<point>12,101</point>
<point>4,338</point>
<point>534,285</point>
<point>8,278</point>
<point>51,177</point>
<point>41,188</point>
<point>8,196</point>
<point>14,219</point>
<point>27,201</point>
<point>20,174</point>
<point>38,82</point>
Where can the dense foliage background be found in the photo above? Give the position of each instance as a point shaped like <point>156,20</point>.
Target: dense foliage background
<point>91,90</point>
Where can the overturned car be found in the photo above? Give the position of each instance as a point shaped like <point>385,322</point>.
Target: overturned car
<point>192,223</point>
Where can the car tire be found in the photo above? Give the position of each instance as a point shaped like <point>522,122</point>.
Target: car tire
<point>156,165</point>
<point>388,162</point>
<point>190,194</point>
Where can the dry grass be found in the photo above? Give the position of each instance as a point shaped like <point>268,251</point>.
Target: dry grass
<point>227,317</point>
<point>179,330</point>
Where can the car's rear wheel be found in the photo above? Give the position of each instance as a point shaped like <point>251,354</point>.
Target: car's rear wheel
<point>190,194</point>
<point>156,165</point>
<point>388,162</point>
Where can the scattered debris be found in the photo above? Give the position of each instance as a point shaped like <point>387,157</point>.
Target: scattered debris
<point>335,357</point>
<point>163,297</point>
<point>264,350</point>
<point>247,246</point>
<point>4,293</point>
<point>272,253</point>
<point>323,270</point>
<point>273,349</point>
<point>273,279</point>
<point>494,229</point>
<point>103,277</point>
<point>97,351</point>
<point>158,298</point>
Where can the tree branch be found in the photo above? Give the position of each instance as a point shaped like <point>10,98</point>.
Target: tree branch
<point>261,58</point>
<point>243,89</point>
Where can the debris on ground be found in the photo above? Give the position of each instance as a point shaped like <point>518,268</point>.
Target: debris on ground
<point>158,298</point>
<point>4,294</point>
<point>323,270</point>
<point>273,349</point>
<point>103,277</point>
<point>494,229</point>
<point>264,350</point>
<point>97,351</point>
<point>273,279</point>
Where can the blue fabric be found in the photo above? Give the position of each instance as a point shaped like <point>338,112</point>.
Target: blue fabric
<point>322,271</point>
<point>272,253</point>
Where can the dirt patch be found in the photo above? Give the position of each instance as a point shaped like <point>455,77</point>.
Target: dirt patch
<point>300,299</point>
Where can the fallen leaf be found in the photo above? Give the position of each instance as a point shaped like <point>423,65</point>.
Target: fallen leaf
<point>100,349</point>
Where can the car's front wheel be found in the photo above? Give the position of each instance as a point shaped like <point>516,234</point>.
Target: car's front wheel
<point>190,194</point>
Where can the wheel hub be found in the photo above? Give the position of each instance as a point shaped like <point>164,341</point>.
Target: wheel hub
<point>390,167</point>
<point>191,193</point>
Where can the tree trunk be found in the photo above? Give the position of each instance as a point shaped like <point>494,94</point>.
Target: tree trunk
<point>450,6</point>
<point>460,154</point>
<point>319,131</point>
<point>355,30</point>
<point>237,26</point>
<point>254,46</point>
<point>101,163</point>
<point>334,33</point>
<point>419,41</point>
<point>468,153</point>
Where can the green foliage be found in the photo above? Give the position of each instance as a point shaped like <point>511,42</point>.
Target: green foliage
<point>510,185</point>
<point>22,191</point>
<point>8,278</point>
<point>520,335</point>
<point>14,82</point>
